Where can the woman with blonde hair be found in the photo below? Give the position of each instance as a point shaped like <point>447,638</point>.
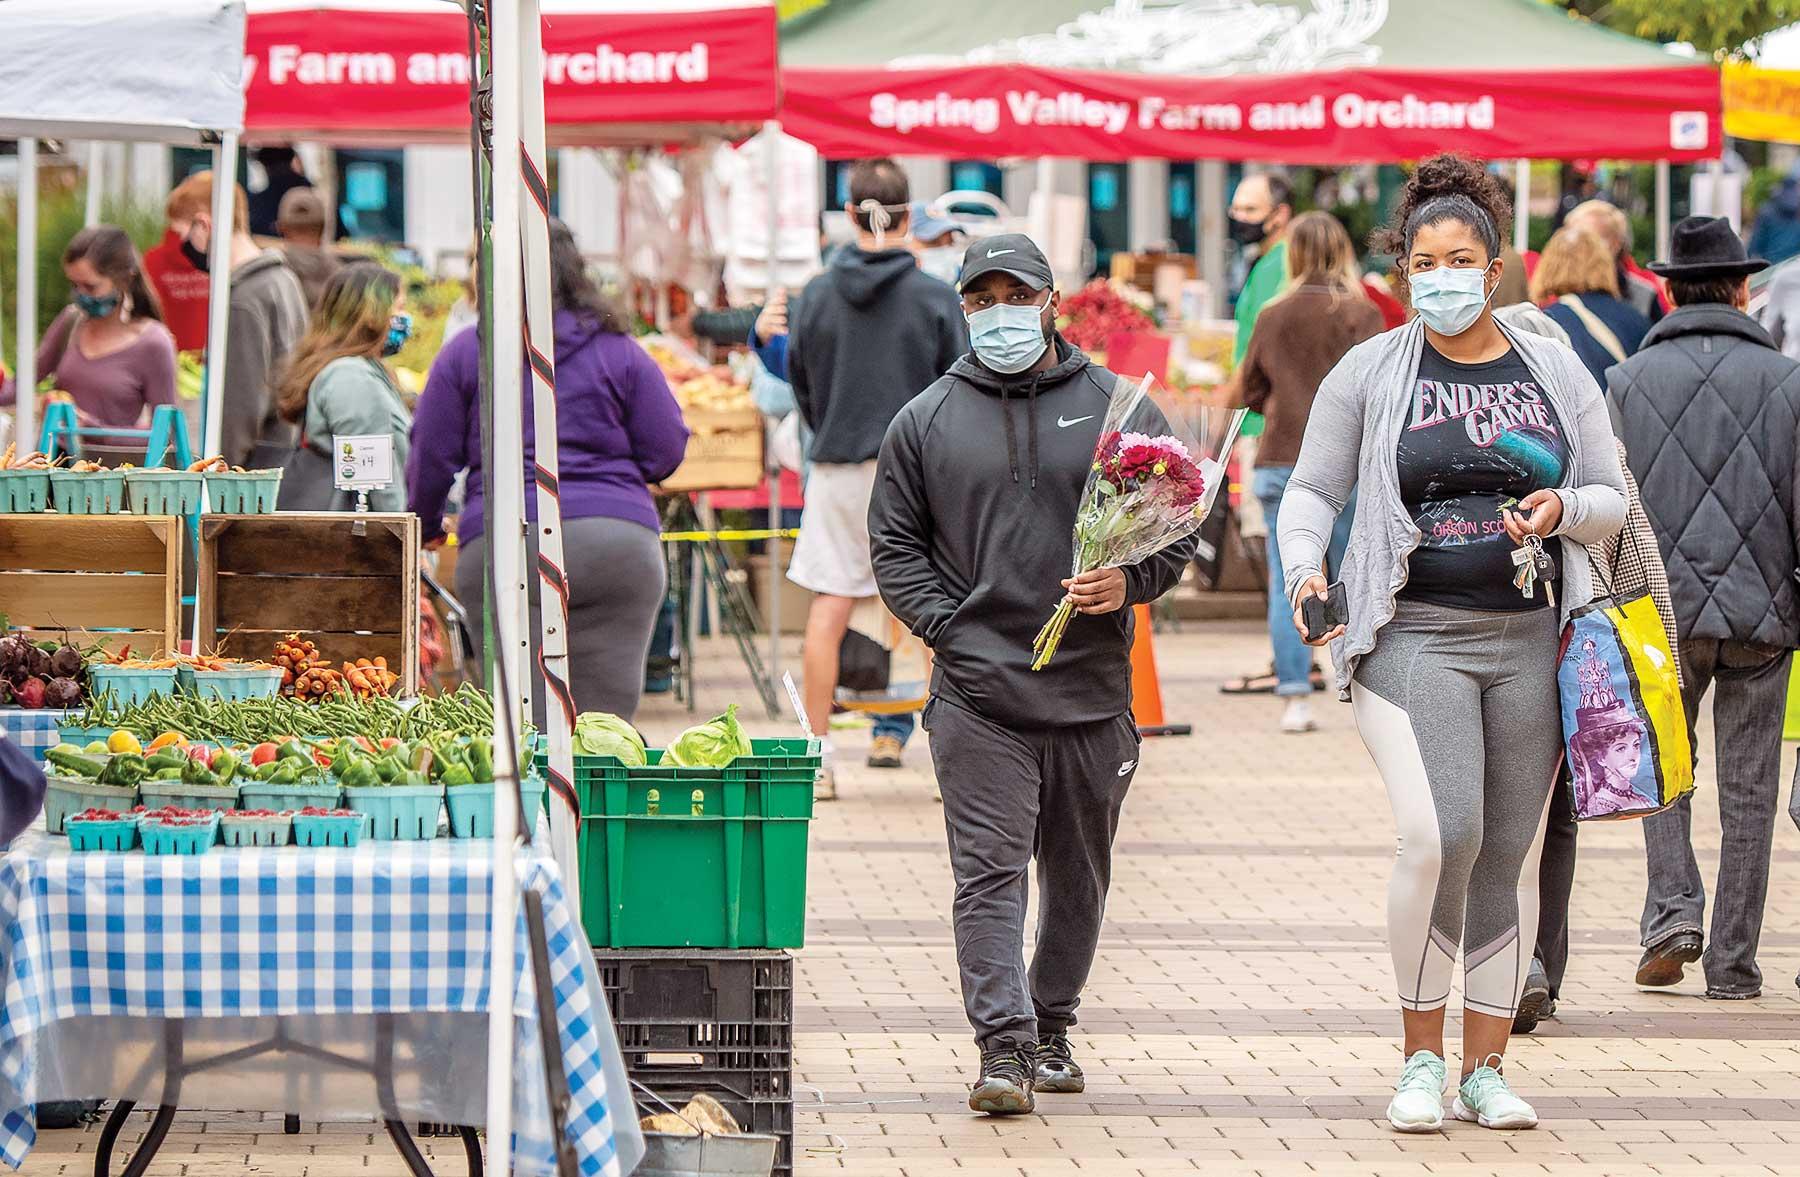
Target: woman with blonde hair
<point>337,384</point>
<point>1299,337</point>
<point>1577,284</point>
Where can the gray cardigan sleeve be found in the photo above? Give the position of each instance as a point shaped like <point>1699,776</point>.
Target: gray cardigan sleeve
<point>1595,510</point>
<point>1324,476</point>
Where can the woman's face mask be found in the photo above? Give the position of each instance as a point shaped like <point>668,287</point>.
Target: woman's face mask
<point>943,262</point>
<point>1008,337</point>
<point>400,329</point>
<point>97,306</point>
<point>1450,300</point>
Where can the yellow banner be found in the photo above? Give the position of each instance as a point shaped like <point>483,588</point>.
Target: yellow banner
<point>1761,103</point>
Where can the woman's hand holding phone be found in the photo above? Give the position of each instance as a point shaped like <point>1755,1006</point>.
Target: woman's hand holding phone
<point>1315,587</point>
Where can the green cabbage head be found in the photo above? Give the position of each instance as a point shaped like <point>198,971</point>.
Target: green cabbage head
<point>712,744</point>
<point>600,734</point>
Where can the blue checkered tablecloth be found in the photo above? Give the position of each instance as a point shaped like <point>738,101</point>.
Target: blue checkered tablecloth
<point>34,731</point>
<point>387,927</point>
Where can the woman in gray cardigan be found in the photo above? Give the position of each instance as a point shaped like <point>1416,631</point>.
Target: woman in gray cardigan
<point>1484,461</point>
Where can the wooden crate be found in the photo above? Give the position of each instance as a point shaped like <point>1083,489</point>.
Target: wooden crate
<point>348,582</point>
<point>724,452</point>
<point>87,573</point>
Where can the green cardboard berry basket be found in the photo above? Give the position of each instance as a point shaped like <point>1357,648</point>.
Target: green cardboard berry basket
<point>99,492</point>
<point>471,808</point>
<point>130,685</point>
<point>235,684</point>
<point>398,813</point>
<point>163,492</point>
<point>162,794</point>
<point>64,797</point>
<point>250,493</point>
<point>24,492</point>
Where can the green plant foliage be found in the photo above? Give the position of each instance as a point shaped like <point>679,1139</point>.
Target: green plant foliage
<point>1721,28</point>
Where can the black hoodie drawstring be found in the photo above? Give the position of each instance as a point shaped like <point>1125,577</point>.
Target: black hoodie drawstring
<point>1031,424</point>
<point>1012,441</point>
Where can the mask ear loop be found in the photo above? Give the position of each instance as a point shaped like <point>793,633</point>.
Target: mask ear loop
<point>879,219</point>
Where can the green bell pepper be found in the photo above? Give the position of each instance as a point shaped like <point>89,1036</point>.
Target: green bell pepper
<point>294,750</point>
<point>359,775</point>
<point>457,774</point>
<point>481,758</point>
<point>166,774</point>
<point>286,772</point>
<point>412,777</point>
<point>196,773</point>
<point>166,758</point>
<point>225,766</point>
<point>128,770</point>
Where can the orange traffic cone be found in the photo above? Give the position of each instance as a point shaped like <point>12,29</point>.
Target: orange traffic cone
<point>1146,690</point>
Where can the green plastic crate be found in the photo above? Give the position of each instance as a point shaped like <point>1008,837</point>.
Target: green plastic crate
<point>250,493</point>
<point>24,492</point>
<point>695,857</point>
<point>101,492</point>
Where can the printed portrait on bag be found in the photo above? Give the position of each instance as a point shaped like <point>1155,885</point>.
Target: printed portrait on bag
<point>1612,761</point>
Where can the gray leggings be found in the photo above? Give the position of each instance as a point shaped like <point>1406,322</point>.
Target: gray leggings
<point>1459,710</point>
<point>616,585</point>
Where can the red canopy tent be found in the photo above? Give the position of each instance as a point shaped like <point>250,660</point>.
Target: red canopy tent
<point>616,72</point>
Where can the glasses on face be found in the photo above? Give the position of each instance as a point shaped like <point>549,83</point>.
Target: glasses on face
<point>981,300</point>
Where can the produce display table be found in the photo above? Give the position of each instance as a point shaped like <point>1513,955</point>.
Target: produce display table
<point>314,982</point>
<point>34,731</point>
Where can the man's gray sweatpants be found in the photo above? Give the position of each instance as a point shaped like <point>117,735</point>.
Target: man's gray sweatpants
<point>1009,794</point>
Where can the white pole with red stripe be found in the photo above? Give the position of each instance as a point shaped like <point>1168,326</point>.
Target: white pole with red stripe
<point>553,635</point>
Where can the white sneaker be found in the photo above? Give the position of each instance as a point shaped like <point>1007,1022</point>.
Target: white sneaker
<point>1486,1099</point>
<point>1418,1103</point>
<point>1298,717</point>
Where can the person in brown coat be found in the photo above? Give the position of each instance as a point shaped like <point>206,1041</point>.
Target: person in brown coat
<point>1299,337</point>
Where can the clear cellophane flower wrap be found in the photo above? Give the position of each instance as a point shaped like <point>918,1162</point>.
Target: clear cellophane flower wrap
<point>1157,470</point>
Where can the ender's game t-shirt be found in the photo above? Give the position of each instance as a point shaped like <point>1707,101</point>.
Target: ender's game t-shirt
<point>1478,438</point>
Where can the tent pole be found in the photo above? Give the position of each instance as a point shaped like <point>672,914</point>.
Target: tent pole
<point>1522,206</point>
<point>1662,208</point>
<point>506,549</point>
<point>96,181</point>
<point>218,306</point>
<point>25,309</point>
<point>1209,232</point>
<point>772,133</point>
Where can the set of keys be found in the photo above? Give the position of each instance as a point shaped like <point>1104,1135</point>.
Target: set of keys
<point>1534,565</point>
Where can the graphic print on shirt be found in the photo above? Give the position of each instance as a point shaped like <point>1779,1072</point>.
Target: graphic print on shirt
<point>1478,438</point>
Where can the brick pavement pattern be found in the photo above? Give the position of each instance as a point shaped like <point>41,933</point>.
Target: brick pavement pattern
<point>1240,1019</point>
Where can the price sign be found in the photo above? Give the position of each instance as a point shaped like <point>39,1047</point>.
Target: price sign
<point>362,462</point>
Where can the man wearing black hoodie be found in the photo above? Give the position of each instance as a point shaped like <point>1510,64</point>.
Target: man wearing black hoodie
<point>864,338</point>
<point>972,526</point>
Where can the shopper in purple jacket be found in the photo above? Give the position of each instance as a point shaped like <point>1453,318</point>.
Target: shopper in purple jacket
<point>619,431</point>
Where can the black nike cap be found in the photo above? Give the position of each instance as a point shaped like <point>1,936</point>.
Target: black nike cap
<point>1012,253</point>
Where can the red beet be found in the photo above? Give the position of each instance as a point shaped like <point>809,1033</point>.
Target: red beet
<point>30,693</point>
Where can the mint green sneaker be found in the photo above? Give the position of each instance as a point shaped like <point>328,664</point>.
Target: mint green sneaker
<point>1418,1103</point>
<point>1486,1099</point>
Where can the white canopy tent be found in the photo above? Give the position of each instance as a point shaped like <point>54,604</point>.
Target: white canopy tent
<point>120,69</point>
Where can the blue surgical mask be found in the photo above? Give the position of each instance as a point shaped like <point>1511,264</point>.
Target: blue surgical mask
<point>1008,338</point>
<point>97,306</point>
<point>942,262</point>
<point>400,329</point>
<point>1450,300</point>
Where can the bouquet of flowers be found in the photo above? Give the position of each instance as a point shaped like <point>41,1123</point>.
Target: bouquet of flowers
<point>1146,490</point>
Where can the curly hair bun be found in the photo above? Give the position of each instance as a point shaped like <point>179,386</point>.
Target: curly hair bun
<point>1445,175</point>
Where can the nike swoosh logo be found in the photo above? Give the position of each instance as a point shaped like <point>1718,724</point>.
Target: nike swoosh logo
<point>998,252</point>
<point>1127,767</point>
<point>1064,422</point>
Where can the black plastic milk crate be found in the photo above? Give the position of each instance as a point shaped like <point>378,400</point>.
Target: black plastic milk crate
<point>718,1021</point>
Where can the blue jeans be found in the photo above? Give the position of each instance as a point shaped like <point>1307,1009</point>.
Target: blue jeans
<point>1293,657</point>
<point>898,726</point>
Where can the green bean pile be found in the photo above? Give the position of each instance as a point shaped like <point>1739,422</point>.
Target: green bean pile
<point>467,711</point>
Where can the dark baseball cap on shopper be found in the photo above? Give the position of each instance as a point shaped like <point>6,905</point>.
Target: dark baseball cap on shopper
<point>1010,253</point>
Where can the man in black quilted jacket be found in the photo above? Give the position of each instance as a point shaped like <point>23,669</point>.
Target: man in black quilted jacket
<point>1709,411</point>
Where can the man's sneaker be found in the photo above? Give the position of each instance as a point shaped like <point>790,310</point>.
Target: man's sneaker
<point>1057,1071</point>
<point>1006,1079</point>
<point>1733,994</point>
<point>1661,965</point>
<point>885,752</point>
<point>1534,1004</point>
<point>1485,1099</point>
<point>825,784</point>
<point>1298,718</point>
<point>1418,1103</point>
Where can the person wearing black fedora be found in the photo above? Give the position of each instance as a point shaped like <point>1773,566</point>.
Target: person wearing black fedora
<point>1709,411</point>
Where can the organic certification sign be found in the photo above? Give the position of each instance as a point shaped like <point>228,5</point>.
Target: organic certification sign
<point>362,462</point>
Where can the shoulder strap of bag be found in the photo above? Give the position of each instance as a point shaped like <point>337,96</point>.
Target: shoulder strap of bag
<point>1600,331</point>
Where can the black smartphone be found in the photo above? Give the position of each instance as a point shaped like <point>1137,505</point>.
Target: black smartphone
<point>1322,615</point>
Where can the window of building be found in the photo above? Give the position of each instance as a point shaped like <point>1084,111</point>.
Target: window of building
<point>371,194</point>
<point>1184,216</point>
<point>977,175</point>
<point>1109,212</point>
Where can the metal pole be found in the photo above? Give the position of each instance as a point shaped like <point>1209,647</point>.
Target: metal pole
<point>218,305</point>
<point>96,181</point>
<point>772,134</point>
<point>506,542</point>
<point>25,315</point>
<point>1662,208</point>
<point>1522,205</point>
<point>1210,230</point>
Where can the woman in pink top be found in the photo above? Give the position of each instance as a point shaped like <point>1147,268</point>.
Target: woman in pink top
<point>109,349</point>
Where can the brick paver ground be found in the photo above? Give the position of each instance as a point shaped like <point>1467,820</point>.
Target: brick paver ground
<point>1239,1019</point>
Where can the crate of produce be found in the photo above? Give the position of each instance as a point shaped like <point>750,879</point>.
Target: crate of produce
<point>251,492</point>
<point>24,491</point>
<point>175,832</point>
<point>322,794</point>
<point>102,829</point>
<point>91,492</point>
<point>347,582</point>
<point>255,827</point>
<point>724,451</point>
<point>471,808</point>
<point>66,796</point>
<point>107,580</point>
<point>338,827</point>
<point>692,857</point>
<point>398,813</point>
<point>180,795</point>
<point>163,492</point>
<point>130,684</point>
<point>237,683</point>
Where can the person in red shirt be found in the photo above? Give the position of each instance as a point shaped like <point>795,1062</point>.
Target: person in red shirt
<point>184,290</point>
